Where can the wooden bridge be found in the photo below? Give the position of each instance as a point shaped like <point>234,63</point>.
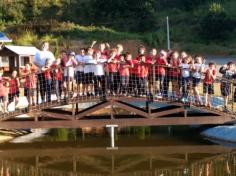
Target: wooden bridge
<point>122,110</point>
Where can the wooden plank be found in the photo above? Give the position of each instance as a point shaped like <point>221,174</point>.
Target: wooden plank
<point>92,109</point>
<point>120,122</point>
<point>131,109</point>
<point>56,115</point>
<point>167,112</point>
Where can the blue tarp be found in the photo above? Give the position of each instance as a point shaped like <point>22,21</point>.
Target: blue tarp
<point>4,38</point>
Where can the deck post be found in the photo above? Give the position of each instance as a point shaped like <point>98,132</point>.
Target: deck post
<point>73,109</point>
<point>112,135</point>
<point>112,109</point>
<point>148,108</point>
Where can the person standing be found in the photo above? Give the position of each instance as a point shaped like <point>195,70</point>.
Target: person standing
<point>40,60</point>
<point>228,74</point>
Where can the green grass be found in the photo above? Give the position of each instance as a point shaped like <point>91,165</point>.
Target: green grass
<point>181,38</point>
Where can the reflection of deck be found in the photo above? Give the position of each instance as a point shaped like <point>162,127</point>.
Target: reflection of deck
<point>99,161</point>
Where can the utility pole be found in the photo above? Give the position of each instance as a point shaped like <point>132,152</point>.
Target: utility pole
<point>168,33</point>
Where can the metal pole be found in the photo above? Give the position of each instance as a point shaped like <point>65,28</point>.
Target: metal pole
<point>112,136</point>
<point>168,33</point>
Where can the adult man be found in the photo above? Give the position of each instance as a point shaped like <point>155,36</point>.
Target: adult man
<point>39,61</point>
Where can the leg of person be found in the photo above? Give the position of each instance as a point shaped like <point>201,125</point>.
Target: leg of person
<point>205,91</point>
<point>166,82</point>
<point>42,86</point>
<point>96,85</point>
<point>126,85</point>
<point>103,85</point>
<point>145,86</point>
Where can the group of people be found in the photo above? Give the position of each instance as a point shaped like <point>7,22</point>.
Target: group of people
<point>111,71</point>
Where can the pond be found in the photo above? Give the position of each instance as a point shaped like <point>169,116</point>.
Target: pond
<point>140,151</point>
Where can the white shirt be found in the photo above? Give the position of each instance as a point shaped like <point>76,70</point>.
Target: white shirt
<point>69,69</point>
<point>89,64</point>
<point>185,70</point>
<point>80,59</point>
<point>197,72</point>
<point>41,57</point>
<point>99,67</point>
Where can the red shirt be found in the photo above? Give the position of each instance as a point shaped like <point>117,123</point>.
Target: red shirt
<point>47,74</point>
<point>104,54</point>
<point>57,73</point>
<point>160,70</point>
<point>151,66</point>
<point>3,90</point>
<point>124,69</point>
<point>133,69</point>
<point>113,66</point>
<point>13,86</point>
<point>174,70</point>
<point>142,71</point>
<point>209,78</point>
<point>30,80</point>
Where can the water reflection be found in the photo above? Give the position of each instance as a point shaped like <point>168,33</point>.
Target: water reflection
<point>142,152</point>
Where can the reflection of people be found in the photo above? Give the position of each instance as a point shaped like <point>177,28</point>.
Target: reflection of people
<point>228,170</point>
<point>39,61</point>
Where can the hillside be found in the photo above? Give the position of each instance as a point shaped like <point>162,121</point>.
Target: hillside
<point>197,26</point>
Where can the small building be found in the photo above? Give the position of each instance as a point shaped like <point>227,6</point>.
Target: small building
<point>15,57</point>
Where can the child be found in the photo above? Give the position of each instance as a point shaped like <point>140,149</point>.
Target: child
<point>99,74</point>
<point>124,66</point>
<point>48,79</point>
<point>161,64</point>
<point>113,72</point>
<point>3,92</point>
<point>185,74</point>
<point>174,74</point>
<point>69,73</point>
<point>30,84</point>
<point>142,75</point>
<point>228,74</point>
<point>208,85</point>
<point>197,69</point>
<point>151,60</point>
<point>57,78</point>
<point>14,85</point>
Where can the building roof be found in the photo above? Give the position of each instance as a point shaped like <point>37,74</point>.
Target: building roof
<point>4,38</point>
<point>23,50</point>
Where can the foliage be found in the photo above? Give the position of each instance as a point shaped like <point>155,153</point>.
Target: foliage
<point>216,24</point>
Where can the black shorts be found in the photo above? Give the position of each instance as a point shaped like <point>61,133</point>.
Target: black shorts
<point>196,81</point>
<point>3,98</point>
<point>88,78</point>
<point>225,89</point>
<point>208,88</point>
<point>29,92</point>
<point>80,77</point>
<point>68,78</point>
<point>11,96</point>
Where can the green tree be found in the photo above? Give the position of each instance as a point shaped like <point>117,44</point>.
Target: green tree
<point>216,24</point>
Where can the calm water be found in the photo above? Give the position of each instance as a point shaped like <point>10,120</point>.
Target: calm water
<point>141,152</point>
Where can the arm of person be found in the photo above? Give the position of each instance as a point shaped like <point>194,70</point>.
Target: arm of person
<point>101,61</point>
<point>45,68</point>
<point>213,74</point>
<point>18,82</point>
<point>223,69</point>
<point>93,43</point>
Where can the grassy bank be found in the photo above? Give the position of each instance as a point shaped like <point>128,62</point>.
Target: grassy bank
<point>69,35</point>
